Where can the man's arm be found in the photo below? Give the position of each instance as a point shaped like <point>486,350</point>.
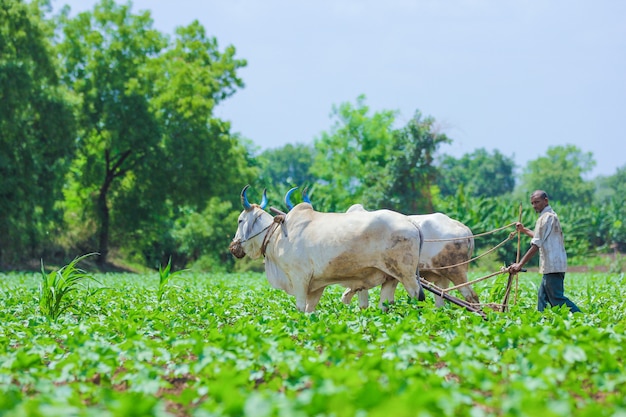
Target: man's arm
<point>520,228</point>
<point>516,267</point>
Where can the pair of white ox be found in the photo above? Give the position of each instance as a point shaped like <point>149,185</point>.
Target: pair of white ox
<point>308,250</point>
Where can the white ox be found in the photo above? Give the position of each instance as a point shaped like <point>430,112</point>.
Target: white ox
<point>447,247</point>
<point>311,250</point>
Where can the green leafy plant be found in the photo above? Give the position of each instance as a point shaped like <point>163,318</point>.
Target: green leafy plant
<point>164,277</point>
<point>232,346</point>
<point>55,287</point>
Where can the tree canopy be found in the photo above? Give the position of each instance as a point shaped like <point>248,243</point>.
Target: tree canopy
<point>37,131</point>
<point>560,173</point>
<point>148,141</point>
<point>480,173</point>
<point>365,159</point>
<point>109,143</point>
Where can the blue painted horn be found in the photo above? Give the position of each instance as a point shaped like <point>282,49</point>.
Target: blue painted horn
<point>244,199</point>
<point>305,196</point>
<point>288,198</point>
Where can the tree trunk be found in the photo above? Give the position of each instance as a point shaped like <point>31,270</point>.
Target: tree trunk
<point>112,170</point>
<point>103,214</point>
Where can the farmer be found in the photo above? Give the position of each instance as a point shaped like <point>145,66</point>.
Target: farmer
<point>547,239</point>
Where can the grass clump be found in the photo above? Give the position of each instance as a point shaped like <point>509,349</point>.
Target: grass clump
<point>164,276</point>
<point>55,287</point>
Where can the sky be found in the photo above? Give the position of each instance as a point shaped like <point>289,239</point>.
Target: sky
<point>517,76</point>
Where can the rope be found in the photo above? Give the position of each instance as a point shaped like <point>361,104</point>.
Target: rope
<point>501,271</point>
<point>511,235</point>
<point>278,220</point>
<point>472,236</point>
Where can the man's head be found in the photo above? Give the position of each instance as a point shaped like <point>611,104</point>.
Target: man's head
<point>539,200</point>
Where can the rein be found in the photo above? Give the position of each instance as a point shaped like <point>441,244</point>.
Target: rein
<point>278,220</point>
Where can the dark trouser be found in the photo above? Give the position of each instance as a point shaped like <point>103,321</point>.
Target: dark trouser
<point>551,292</point>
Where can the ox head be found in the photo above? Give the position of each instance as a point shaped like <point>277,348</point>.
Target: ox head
<point>252,223</point>
<point>305,197</point>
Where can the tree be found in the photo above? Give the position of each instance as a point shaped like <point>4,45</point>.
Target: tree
<point>201,158</point>
<point>191,78</point>
<point>611,186</point>
<point>560,174</point>
<point>105,54</point>
<point>349,157</point>
<point>37,130</point>
<point>406,182</point>
<point>286,167</point>
<point>149,145</point>
<point>364,159</point>
<point>481,174</point>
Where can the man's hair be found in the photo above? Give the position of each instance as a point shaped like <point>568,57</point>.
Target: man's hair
<point>541,194</point>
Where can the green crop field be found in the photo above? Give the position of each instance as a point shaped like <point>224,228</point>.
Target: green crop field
<point>229,345</point>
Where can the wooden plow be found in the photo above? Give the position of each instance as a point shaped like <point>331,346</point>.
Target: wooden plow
<point>443,292</point>
<point>454,300</point>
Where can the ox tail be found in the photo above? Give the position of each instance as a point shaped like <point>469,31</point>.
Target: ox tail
<point>470,246</point>
<point>420,296</point>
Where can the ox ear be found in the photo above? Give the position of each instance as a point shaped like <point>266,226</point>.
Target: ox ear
<point>244,199</point>
<point>288,198</point>
<point>264,200</point>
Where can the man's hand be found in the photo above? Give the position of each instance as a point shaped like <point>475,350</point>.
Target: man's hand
<point>515,268</point>
<point>521,229</point>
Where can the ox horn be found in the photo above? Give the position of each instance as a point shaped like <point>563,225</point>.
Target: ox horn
<point>305,196</point>
<point>244,199</point>
<point>288,198</point>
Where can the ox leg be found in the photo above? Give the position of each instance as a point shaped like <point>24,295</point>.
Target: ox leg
<point>414,288</point>
<point>363,296</point>
<point>459,276</point>
<point>439,281</point>
<point>456,276</point>
<point>301,298</point>
<point>364,299</point>
<point>387,293</point>
<point>347,295</point>
<point>312,299</point>
<point>469,294</point>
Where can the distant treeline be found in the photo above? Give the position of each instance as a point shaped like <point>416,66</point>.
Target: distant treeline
<point>109,144</point>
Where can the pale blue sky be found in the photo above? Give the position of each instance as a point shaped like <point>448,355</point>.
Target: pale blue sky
<point>517,76</point>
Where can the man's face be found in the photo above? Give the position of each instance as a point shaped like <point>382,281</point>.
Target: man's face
<point>538,202</point>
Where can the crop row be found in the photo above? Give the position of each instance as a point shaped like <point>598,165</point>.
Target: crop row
<point>229,345</point>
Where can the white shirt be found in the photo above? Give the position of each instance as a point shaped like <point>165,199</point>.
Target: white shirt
<point>549,239</point>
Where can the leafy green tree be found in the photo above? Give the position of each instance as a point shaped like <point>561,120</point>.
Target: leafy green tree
<point>349,157</point>
<point>480,173</point>
<point>202,237</point>
<point>560,174</point>
<point>406,181</point>
<point>201,158</point>
<point>364,159</point>
<point>149,144</point>
<point>105,54</point>
<point>286,167</point>
<point>37,130</point>
<point>608,187</point>
<point>192,77</point>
